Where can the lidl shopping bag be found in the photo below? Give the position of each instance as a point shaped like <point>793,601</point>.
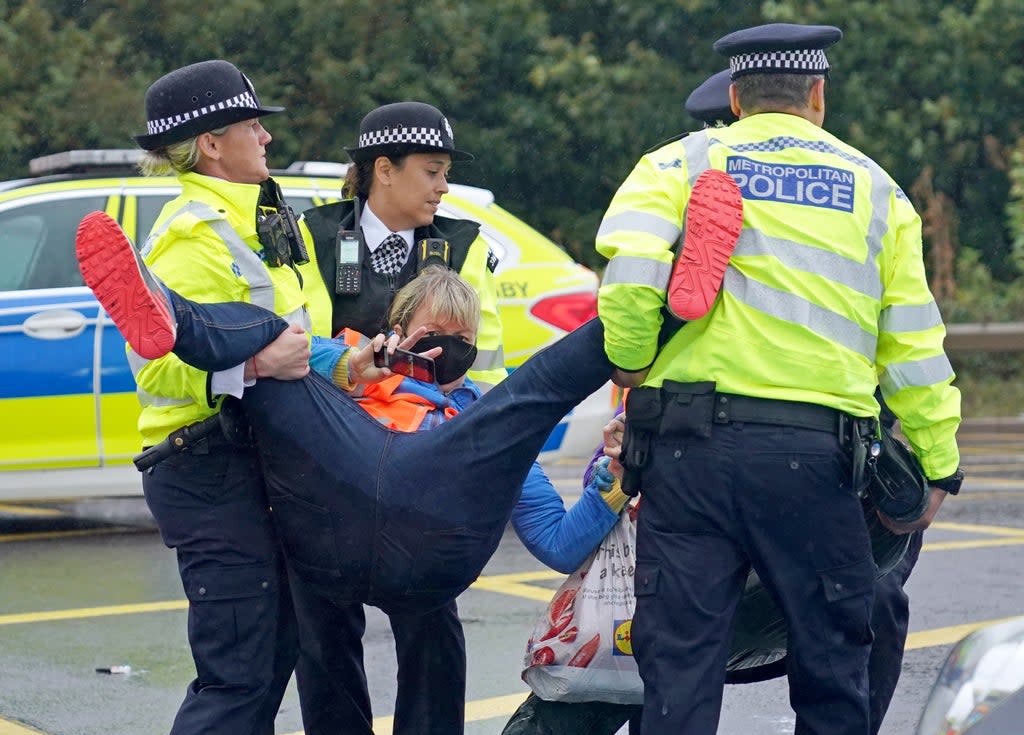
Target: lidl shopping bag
<point>580,649</point>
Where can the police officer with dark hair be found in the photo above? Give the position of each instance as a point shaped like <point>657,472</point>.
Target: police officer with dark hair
<point>750,430</point>
<point>363,250</point>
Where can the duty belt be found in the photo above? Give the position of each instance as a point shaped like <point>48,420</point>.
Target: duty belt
<point>229,424</point>
<point>177,441</point>
<point>692,409</point>
<point>730,408</point>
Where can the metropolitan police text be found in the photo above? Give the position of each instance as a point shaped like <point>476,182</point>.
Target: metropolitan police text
<point>815,186</point>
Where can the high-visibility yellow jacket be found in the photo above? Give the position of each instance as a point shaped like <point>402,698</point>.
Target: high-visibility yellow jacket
<point>825,296</point>
<point>204,246</point>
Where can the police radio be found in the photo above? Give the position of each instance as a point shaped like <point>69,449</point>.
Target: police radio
<point>348,269</point>
<point>278,230</point>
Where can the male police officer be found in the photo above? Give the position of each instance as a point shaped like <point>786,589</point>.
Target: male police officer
<point>749,415</point>
<point>890,615</point>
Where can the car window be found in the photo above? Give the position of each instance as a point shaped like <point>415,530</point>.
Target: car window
<point>149,206</point>
<point>37,243</point>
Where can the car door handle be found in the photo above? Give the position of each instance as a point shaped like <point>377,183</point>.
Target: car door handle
<point>55,324</point>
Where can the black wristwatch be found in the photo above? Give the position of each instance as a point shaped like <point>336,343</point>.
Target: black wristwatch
<point>949,484</point>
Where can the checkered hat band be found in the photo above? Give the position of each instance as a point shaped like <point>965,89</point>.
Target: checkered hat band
<point>245,99</point>
<point>805,60</point>
<point>419,136</point>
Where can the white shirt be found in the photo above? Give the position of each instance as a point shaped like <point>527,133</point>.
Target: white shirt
<point>375,232</point>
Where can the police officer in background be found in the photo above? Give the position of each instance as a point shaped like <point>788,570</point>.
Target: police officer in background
<point>363,250</point>
<point>220,240</point>
<point>751,421</point>
<point>369,245</point>
<point>709,101</point>
<point>890,615</point>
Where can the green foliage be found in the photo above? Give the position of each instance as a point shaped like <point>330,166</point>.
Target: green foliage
<point>558,98</point>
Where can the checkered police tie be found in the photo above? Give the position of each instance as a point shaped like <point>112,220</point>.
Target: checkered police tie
<point>389,256</point>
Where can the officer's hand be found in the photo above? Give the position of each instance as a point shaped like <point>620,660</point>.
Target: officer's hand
<point>361,368</point>
<point>934,501</point>
<point>625,379</point>
<point>612,433</point>
<point>286,358</point>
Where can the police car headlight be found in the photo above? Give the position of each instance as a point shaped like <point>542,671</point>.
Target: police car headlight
<point>983,671</point>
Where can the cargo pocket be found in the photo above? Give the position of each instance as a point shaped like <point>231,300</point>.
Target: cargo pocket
<point>232,623</point>
<point>308,535</point>
<point>847,592</point>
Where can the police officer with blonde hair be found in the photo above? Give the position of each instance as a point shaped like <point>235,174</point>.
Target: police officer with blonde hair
<point>750,430</point>
<point>223,238</point>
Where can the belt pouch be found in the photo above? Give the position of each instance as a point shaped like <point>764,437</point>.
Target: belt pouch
<point>643,419</point>
<point>688,408</point>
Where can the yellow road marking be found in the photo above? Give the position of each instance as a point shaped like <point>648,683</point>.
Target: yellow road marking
<point>476,710</point>
<point>15,728</point>
<point>50,535</point>
<point>92,612</point>
<point>27,510</point>
<point>979,544</point>
<point>978,528</point>
<point>946,636</point>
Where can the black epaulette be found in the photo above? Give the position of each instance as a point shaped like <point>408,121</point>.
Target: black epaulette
<point>664,143</point>
<point>492,260</point>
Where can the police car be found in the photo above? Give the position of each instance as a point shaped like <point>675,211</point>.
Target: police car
<point>67,400</point>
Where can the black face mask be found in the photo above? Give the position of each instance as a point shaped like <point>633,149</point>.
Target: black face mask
<point>456,358</point>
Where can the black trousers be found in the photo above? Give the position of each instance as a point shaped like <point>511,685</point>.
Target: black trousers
<point>777,499</point>
<point>211,508</point>
<point>431,653</point>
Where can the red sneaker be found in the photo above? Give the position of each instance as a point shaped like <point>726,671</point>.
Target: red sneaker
<point>714,218</point>
<point>123,285</point>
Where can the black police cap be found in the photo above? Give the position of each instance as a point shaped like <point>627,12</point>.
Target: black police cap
<point>778,48</point>
<point>196,99</point>
<point>709,102</point>
<point>404,127</point>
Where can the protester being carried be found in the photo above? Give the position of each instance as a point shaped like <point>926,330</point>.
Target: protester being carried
<point>440,313</point>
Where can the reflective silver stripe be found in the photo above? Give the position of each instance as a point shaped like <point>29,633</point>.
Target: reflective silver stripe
<point>697,161</point>
<point>300,317</point>
<point>917,374</point>
<point>796,310</point>
<point>148,399</point>
<point>136,363</point>
<point>881,188</point>
<point>251,268</point>
<point>643,222</point>
<point>489,360</point>
<point>637,271</point>
<point>860,277</point>
<point>910,318</point>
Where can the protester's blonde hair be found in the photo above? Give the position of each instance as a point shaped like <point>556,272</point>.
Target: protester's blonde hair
<point>177,158</point>
<point>451,299</point>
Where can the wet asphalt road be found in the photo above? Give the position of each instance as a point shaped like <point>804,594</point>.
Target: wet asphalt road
<point>89,585</point>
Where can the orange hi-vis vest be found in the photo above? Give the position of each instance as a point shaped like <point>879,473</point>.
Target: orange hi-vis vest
<point>387,402</point>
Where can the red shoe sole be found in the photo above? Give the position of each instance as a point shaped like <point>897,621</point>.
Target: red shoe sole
<point>714,218</point>
<point>108,264</point>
